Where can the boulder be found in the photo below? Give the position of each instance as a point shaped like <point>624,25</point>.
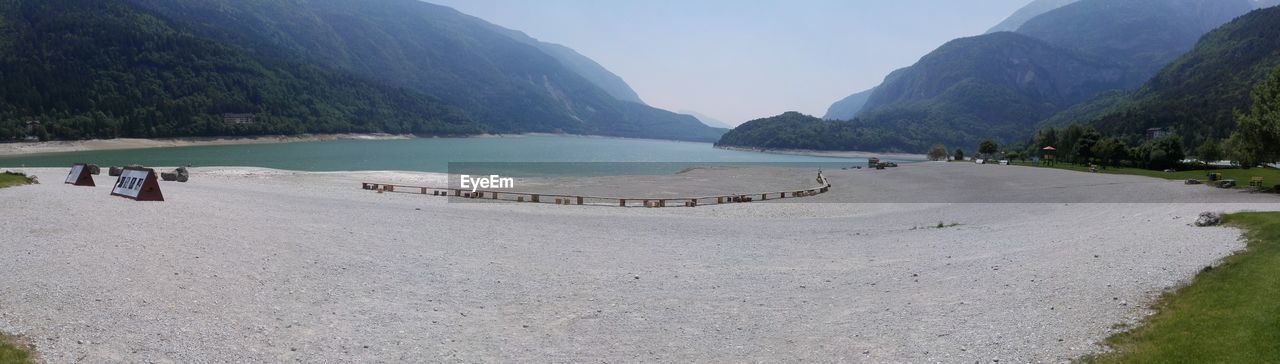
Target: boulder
<point>115,171</point>
<point>169,176</point>
<point>1208,219</point>
<point>1193,181</point>
<point>93,169</point>
<point>32,180</point>
<point>183,175</point>
<point>1226,183</point>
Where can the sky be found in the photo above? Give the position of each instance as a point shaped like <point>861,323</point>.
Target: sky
<point>739,60</point>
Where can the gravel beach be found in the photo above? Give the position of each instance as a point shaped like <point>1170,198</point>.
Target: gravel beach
<point>258,265</point>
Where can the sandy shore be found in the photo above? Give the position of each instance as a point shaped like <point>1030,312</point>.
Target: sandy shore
<point>255,265</point>
<point>128,143</point>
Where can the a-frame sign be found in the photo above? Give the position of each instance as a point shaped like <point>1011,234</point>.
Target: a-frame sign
<point>79,176</point>
<point>138,184</point>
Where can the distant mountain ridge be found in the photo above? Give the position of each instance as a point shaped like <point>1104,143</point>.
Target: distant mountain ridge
<point>507,83</point>
<point>585,67</point>
<point>77,69</point>
<point>1144,35</point>
<point>849,107</point>
<point>710,121</point>
<point>483,77</point>
<point>1028,12</point>
<point>1198,94</point>
<point>1004,84</point>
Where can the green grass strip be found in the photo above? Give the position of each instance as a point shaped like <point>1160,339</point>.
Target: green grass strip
<point>1229,314</point>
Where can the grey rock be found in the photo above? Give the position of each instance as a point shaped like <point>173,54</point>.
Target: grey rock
<point>1226,183</point>
<point>1194,182</point>
<point>93,169</point>
<point>1208,219</point>
<point>115,171</point>
<point>169,176</point>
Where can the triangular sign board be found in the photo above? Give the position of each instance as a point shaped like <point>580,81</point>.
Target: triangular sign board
<point>79,176</point>
<point>138,184</point>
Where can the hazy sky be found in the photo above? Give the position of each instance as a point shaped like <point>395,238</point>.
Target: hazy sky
<point>737,60</point>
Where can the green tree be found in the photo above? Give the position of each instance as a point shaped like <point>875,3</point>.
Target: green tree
<point>1257,136</point>
<point>1084,145</point>
<point>958,155</point>
<point>1209,151</point>
<point>938,153</point>
<point>1109,151</point>
<point>988,147</point>
<point>1164,152</point>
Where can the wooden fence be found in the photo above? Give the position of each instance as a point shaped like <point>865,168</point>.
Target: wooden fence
<point>558,199</point>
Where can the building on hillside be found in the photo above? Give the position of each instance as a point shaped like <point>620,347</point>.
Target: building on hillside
<point>1157,132</point>
<point>32,124</point>
<point>237,119</point>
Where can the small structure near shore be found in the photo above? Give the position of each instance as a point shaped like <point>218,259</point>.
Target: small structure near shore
<point>237,119</point>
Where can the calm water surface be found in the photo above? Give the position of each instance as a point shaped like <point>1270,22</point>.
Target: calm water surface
<point>519,155</point>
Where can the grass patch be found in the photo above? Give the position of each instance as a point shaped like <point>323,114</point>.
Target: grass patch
<point>13,352</point>
<point>1270,176</point>
<point>10,179</point>
<point>1229,314</point>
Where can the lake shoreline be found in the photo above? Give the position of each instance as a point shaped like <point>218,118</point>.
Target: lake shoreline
<point>62,146</point>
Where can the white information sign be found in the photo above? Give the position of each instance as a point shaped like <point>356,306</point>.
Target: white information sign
<point>75,173</point>
<point>130,183</point>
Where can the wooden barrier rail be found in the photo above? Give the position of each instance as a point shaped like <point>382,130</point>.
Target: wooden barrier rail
<point>593,200</point>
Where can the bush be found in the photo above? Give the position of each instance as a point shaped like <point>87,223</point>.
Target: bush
<point>938,153</point>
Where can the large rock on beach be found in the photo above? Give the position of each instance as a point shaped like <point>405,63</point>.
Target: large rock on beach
<point>183,175</point>
<point>1208,219</point>
<point>93,169</point>
<point>115,171</point>
<point>169,176</point>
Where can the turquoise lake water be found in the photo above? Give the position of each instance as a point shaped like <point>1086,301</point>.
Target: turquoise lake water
<point>518,155</point>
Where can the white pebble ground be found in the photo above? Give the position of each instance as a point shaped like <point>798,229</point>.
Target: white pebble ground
<point>255,265</point>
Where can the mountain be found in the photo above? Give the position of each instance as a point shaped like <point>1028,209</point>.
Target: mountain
<point>1144,35</point>
<point>848,107</point>
<point>710,121</point>
<point>506,83</point>
<point>1032,10</point>
<point>1198,94</point>
<point>995,85</point>
<point>106,68</point>
<point>580,64</point>
<point>1003,84</point>
<point>793,130</point>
